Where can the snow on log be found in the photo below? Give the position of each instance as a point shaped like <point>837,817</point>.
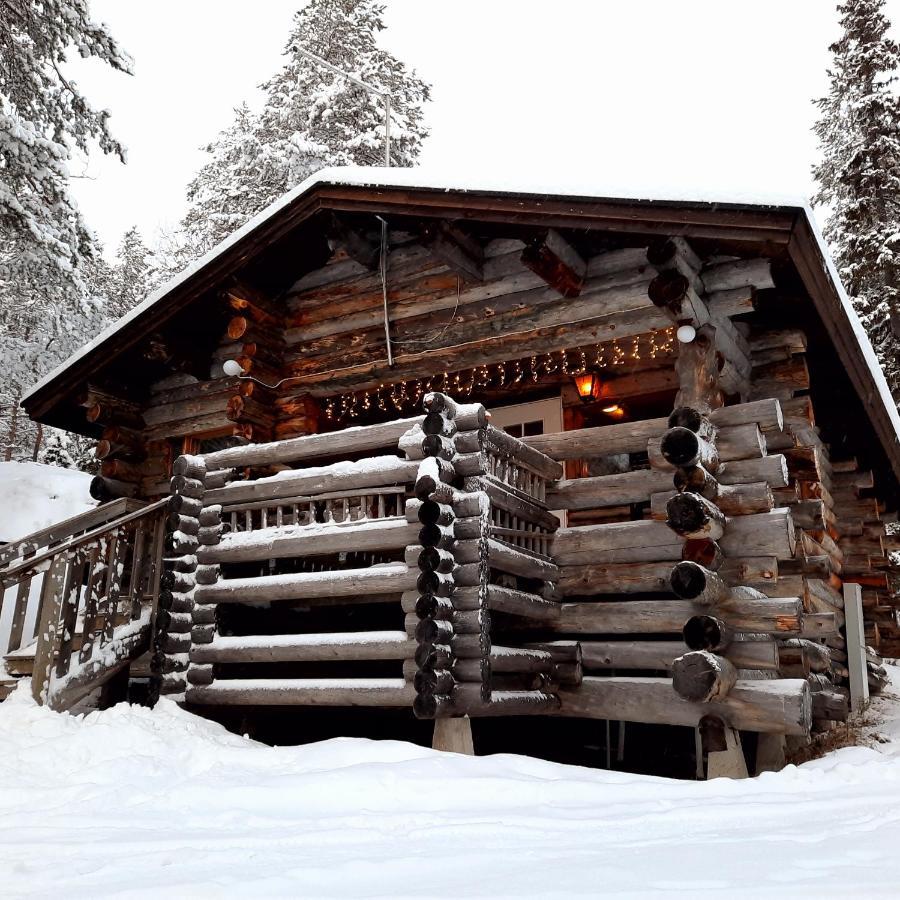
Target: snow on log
<point>388,578</point>
<point>304,692</point>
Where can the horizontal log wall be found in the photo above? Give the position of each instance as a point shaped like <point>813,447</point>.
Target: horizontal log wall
<point>602,564</point>
<point>840,525</point>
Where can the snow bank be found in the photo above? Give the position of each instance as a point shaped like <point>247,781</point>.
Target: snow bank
<point>142,803</point>
<point>35,496</point>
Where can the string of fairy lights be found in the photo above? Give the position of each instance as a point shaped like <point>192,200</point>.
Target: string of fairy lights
<point>404,396</point>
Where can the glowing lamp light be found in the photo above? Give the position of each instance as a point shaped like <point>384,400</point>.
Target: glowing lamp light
<point>588,386</point>
<point>232,368</point>
<point>614,410</point>
<point>686,333</point>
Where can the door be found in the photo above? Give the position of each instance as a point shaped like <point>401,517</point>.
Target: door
<point>527,419</point>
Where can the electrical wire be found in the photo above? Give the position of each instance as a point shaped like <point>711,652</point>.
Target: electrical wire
<point>438,334</point>
<point>384,290</point>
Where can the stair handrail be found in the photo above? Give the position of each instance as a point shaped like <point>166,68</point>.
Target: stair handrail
<point>64,593</point>
<point>96,515</point>
<point>8,576</point>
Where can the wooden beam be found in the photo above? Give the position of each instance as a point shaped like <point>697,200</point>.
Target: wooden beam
<point>782,617</point>
<point>456,249</point>
<point>304,692</point>
<point>390,533</point>
<point>345,646</point>
<point>555,260</point>
<point>780,706</point>
<point>698,372</point>
<point>362,583</point>
<point>360,245</point>
<point>632,437</point>
<point>374,472</point>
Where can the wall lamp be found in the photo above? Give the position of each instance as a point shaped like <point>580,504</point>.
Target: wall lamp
<point>234,369</point>
<point>588,386</point>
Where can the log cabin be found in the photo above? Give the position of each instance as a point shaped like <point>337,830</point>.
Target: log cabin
<point>405,452</point>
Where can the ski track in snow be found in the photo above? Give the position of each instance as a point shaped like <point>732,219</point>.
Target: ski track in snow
<point>137,803</point>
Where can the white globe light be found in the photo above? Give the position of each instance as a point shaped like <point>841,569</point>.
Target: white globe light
<point>232,367</point>
<point>686,333</point>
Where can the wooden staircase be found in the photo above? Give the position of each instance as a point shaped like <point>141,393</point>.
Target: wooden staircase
<point>78,600</point>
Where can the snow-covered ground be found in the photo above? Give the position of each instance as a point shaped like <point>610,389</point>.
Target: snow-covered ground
<point>35,496</point>
<point>140,803</point>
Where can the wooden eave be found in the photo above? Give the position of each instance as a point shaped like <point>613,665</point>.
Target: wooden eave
<point>806,254</point>
<point>780,227</point>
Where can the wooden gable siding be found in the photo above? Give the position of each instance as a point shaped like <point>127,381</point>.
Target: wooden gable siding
<point>335,336</point>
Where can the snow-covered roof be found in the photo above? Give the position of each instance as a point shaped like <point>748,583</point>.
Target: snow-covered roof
<point>533,185</point>
<point>436,180</point>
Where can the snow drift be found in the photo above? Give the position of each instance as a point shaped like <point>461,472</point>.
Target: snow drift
<point>140,803</point>
<point>35,496</point>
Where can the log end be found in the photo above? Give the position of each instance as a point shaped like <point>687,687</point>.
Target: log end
<point>701,676</point>
<point>705,633</point>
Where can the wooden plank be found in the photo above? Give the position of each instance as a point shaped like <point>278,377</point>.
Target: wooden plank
<point>52,595</point>
<point>97,670</point>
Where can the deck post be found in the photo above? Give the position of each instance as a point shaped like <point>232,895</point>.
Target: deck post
<point>730,762</point>
<point>770,753</point>
<point>453,736</point>
<point>856,647</point>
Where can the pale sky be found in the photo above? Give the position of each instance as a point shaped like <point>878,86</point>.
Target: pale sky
<point>711,93</point>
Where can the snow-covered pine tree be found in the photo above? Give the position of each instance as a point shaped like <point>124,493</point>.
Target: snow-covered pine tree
<point>236,182</point>
<point>44,119</point>
<point>310,118</point>
<point>46,249</point>
<point>128,280</point>
<point>859,175</point>
<point>56,451</point>
<point>69,451</point>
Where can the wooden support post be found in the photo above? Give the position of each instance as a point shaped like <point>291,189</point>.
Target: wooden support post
<point>453,736</point>
<point>856,647</point>
<point>724,753</point>
<point>769,753</point>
